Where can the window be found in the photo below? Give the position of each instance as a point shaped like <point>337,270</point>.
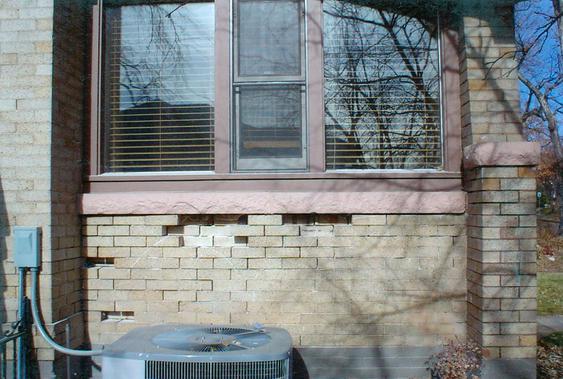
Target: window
<point>382,89</point>
<point>269,86</point>
<point>363,94</point>
<point>159,88</point>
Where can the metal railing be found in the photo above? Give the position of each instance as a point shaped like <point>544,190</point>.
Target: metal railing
<point>15,341</point>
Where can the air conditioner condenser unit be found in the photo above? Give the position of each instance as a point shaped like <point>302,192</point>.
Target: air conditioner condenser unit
<point>199,352</point>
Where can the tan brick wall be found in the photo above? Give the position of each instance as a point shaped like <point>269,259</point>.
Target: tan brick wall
<point>26,34</point>
<point>330,280</point>
<point>501,256</point>
<point>489,76</point>
<point>41,119</point>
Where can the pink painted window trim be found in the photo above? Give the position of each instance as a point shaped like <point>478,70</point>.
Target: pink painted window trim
<point>98,182</point>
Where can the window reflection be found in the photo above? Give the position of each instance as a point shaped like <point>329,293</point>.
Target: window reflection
<point>382,89</point>
<point>159,88</point>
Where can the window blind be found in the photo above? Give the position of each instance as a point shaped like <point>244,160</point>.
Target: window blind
<point>159,88</point>
<point>382,89</point>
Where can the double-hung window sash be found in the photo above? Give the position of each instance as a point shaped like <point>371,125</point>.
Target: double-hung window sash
<point>269,128</point>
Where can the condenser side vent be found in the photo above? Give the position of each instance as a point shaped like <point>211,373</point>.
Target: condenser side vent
<point>225,370</point>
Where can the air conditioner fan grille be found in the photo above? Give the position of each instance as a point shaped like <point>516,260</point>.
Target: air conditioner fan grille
<point>226,330</point>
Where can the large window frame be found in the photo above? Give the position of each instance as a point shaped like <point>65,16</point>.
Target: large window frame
<point>316,178</point>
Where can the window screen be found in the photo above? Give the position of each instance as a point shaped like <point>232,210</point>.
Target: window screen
<point>159,88</point>
<point>382,89</point>
<point>270,121</point>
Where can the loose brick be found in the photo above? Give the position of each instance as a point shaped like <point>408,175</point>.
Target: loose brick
<point>282,230</point>
<point>130,241</point>
<point>99,220</point>
<point>162,220</point>
<point>232,230</point>
<point>129,220</point>
<point>368,219</point>
<point>112,273</point>
<point>229,263</point>
<point>147,230</point>
<point>316,230</point>
<point>299,262</point>
<point>197,241</point>
<point>130,284</point>
<point>213,252</point>
<point>317,252</point>
<point>264,220</point>
<point>113,230</point>
<point>264,263</point>
<point>196,263</point>
<point>265,241</point>
<point>98,241</point>
<point>248,252</point>
<point>275,252</point>
<point>170,241</point>
<point>114,252</point>
<point>300,241</point>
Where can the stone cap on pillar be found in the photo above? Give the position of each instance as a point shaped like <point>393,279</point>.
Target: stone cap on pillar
<point>501,154</point>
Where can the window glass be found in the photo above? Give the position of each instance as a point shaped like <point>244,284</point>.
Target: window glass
<point>269,35</point>
<point>159,88</point>
<point>382,89</point>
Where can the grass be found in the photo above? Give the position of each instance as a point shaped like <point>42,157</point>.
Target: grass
<point>555,339</point>
<point>550,293</point>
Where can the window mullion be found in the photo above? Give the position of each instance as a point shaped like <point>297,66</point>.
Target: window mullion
<point>315,84</point>
<point>222,86</point>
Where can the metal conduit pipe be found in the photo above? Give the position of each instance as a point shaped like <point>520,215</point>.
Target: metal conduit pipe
<point>41,328</point>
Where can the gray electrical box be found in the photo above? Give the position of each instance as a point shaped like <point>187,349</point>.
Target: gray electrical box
<point>26,246</point>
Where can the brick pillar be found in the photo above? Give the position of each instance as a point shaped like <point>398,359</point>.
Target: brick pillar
<point>501,251</point>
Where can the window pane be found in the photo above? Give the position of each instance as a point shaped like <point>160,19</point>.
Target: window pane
<point>270,124</point>
<point>159,88</point>
<point>269,38</point>
<point>382,89</point>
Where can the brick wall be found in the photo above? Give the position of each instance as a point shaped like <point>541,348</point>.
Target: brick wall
<point>41,121</point>
<point>26,34</point>
<point>330,280</point>
<point>489,77</point>
<point>501,256</point>
<point>501,248</point>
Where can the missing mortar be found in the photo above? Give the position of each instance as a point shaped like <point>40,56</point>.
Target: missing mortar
<point>118,316</point>
<point>241,240</point>
<point>99,262</point>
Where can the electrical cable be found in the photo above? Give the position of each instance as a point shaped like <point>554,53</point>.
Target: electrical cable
<point>41,328</point>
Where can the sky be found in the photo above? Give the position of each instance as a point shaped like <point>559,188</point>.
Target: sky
<point>545,60</point>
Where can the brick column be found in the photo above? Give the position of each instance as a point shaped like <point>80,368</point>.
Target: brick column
<point>501,251</point>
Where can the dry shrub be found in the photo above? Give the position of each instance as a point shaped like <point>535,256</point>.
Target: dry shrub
<point>458,360</point>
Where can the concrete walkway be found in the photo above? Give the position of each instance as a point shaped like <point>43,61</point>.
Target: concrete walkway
<point>549,324</point>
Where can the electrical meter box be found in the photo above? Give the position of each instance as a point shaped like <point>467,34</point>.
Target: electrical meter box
<point>26,246</point>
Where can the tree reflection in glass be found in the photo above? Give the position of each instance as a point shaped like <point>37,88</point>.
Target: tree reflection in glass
<point>382,89</point>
